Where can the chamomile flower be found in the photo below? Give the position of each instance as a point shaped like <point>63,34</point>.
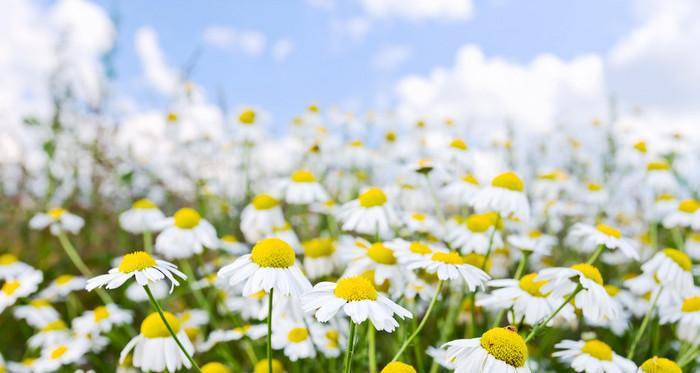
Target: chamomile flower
<point>260,216</point>
<point>591,237</point>
<point>67,352</point>
<point>371,213</point>
<point>450,265</point>
<point>270,265</point>
<point>14,288</point>
<point>10,266</point>
<point>534,241</point>
<point>593,299</point>
<point>27,365</point>
<point>687,314</point>
<point>294,339</point>
<point>475,234</point>
<point>143,216</point>
<point>359,300</point>
<point>185,234</point>
<point>140,265</point>
<point>460,191</point>
<point>155,349</point>
<point>659,177</point>
<point>592,356</point>
<point>329,339</point>
<point>58,220</point>
<point>61,286</point>
<point>226,335</point>
<point>692,245</point>
<point>497,350</point>
<point>262,366</point>
<point>101,319</point>
<point>302,188</point>
<point>378,257</point>
<point>320,257</point>
<point>50,334</point>
<point>686,215</point>
<point>530,304</point>
<point>418,222</point>
<point>37,313</point>
<point>215,367</point>
<point>398,367</point>
<point>230,244</point>
<point>659,365</point>
<point>505,195</point>
<point>672,268</point>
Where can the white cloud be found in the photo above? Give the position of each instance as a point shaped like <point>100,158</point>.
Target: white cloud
<point>355,28</point>
<point>390,57</point>
<point>281,49</point>
<point>321,4</point>
<point>445,10</point>
<point>248,42</point>
<point>156,70</point>
<point>489,91</point>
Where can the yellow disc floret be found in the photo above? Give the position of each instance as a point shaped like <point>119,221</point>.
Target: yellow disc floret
<point>54,326</point>
<point>262,366</point>
<point>590,272</point>
<point>64,279</point>
<point>144,204</point>
<point>56,212</point>
<point>691,304</point>
<point>372,197</point>
<point>532,287</point>
<point>59,351</point>
<point>479,223</point>
<point>658,166</point>
<point>247,116</point>
<point>597,349</point>
<point>10,286</point>
<point>187,218</point>
<point>689,206</point>
<point>660,365</point>
<point>419,248</point>
<point>458,144</point>
<point>398,367</point>
<point>154,327</point>
<point>7,259</point>
<point>381,254</point>
<point>448,258</point>
<point>136,261</point>
<point>273,252</point>
<point>355,289</point>
<point>505,344</point>
<point>264,202</point>
<point>508,180</point>
<point>608,230</point>
<point>303,176</point>
<point>297,335</point>
<point>319,248</point>
<point>215,368</point>
<point>680,258</point>
<point>100,313</point>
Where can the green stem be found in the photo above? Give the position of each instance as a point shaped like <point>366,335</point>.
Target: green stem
<point>645,322</point>
<point>448,326</point>
<point>678,238</point>
<point>417,352</point>
<point>158,308</point>
<point>268,349</point>
<point>80,264</point>
<point>148,241</point>
<point>518,274</point>
<point>422,322</point>
<point>372,349</point>
<point>596,254</point>
<point>351,347</point>
<point>541,325</point>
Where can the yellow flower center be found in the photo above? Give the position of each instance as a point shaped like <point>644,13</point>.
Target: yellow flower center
<point>355,289</point>
<point>590,272</point>
<point>608,230</point>
<point>332,336</point>
<point>100,313</point>
<point>229,238</point>
<point>381,254</point>
<point>691,304</point>
<point>273,252</point>
<point>372,197</point>
<point>689,206</point>
<point>64,279</point>
<point>679,258</point>
<point>418,216</point>
<point>534,234</point>
<point>505,344</point>
<point>171,117</point>
<point>136,261</point>
<point>508,180</point>
<point>641,147</point>
<point>7,259</point>
<point>532,287</point>
<point>319,248</point>
<point>398,367</point>
<point>264,202</point>
<point>144,204</point>
<point>448,258</point>
<point>598,350</point>
<point>356,143</point>
<point>303,176</point>
<point>459,144</point>
<point>660,365</point>
<point>612,290</point>
<point>59,351</point>
<point>39,303</point>
<point>479,223</point>
<point>369,276</point>
<point>262,366</point>
<point>187,218</point>
<point>154,327</point>
<point>259,295</point>
<point>247,116</point>
<point>54,326</point>
<point>298,335</point>
<point>658,166</point>
<point>477,260</point>
<point>56,212</point>
<point>665,197</point>
<point>390,136</point>
<point>594,187</point>
<point>9,287</point>
<point>215,367</point>
<point>419,248</point>
<point>469,178</point>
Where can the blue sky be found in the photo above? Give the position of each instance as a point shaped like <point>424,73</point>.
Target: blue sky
<point>328,67</point>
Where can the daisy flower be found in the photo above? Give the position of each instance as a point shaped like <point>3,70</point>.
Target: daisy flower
<point>220,335</point>
<point>185,234</point>
<point>262,366</point>
<point>592,356</point>
<point>534,242</point>
<point>362,257</point>
<point>687,314</point>
<point>602,235</point>
<point>141,266</point>
<point>37,313</point>
<point>155,349</point>
<point>66,353</point>
<point>398,367</point>
<point>61,286</point>
<point>215,367</point>
<point>592,298</point>
<point>320,257</point>
<point>499,350</point>
<point>672,268</point>
<point>359,300</point>
<point>505,195</point>
<point>529,303</point>
<point>230,244</point>
<point>302,188</point>
<point>460,191</point>
<point>659,177</point>
<point>260,216</point>
<point>101,319</point>
<point>19,287</point>
<point>58,220</point>
<point>659,365</point>
<point>418,222</point>
<point>692,245</point>
<point>270,265</point>
<point>475,234</point>
<point>50,334</point>
<point>10,266</point>
<point>449,265</point>
<point>329,339</point>
<point>370,214</point>
<point>294,338</point>
<point>687,214</point>
<point>143,216</point>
